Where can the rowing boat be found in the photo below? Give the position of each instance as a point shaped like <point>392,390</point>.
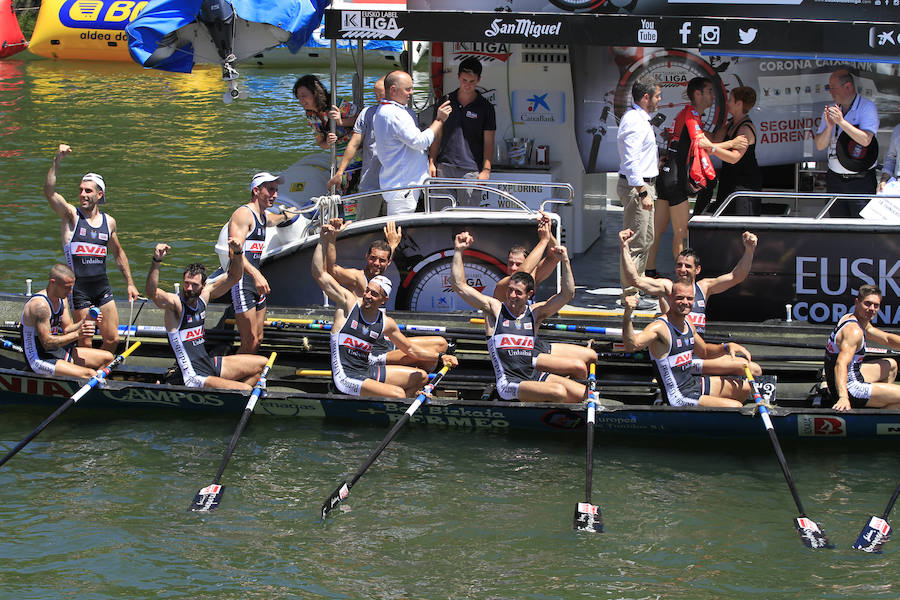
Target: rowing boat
<point>21,388</point>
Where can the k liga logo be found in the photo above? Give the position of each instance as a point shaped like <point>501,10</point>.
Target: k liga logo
<point>539,106</point>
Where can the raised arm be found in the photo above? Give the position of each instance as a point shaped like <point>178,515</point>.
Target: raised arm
<point>557,301</point>
<point>59,205</point>
<point>214,289</point>
<point>162,299</point>
<point>473,297</point>
<point>352,279</point>
<point>121,260</point>
<point>717,285</point>
<point>650,285</point>
<point>341,296</point>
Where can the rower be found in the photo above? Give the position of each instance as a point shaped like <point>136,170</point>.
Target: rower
<point>49,335</point>
<point>378,259</point>
<point>687,265</point>
<point>185,314</point>
<point>357,325</point>
<point>564,359</point>
<point>512,326</point>
<point>248,226</point>
<point>851,383</point>
<point>87,234</point>
<point>672,341</point>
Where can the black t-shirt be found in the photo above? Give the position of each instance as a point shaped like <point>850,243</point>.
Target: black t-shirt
<point>462,139</point>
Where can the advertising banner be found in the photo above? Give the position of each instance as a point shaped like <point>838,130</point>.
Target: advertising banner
<point>791,96</point>
<point>851,10</point>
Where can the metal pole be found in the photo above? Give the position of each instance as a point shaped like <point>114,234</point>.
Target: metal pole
<point>332,125</point>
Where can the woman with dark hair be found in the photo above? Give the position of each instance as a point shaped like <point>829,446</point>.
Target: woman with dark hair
<point>313,97</point>
<point>739,170</point>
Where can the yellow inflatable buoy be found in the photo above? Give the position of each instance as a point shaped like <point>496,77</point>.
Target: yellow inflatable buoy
<point>84,29</point>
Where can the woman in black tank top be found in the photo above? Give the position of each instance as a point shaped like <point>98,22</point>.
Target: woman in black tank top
<point>739,170</point>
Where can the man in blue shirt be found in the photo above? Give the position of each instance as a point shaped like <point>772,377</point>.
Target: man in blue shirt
<point>858,118</point>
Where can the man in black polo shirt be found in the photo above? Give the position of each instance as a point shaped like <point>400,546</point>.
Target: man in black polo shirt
<point>463,149</point>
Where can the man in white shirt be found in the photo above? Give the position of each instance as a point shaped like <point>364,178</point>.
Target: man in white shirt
<point>858,118</point>
<point>400,145</point>
<point>638,169</point>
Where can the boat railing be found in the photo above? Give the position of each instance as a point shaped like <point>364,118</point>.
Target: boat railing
<point>440,189</point>
<point>808,198</point>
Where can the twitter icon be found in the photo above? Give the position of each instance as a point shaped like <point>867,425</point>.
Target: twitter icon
<point>747,37</point>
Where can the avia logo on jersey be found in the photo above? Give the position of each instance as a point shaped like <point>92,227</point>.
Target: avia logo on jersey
<point>512,342</point>
<point>349,341</point>
<point>99,14</point>
<point>698,319</point>
<point>369,24</point>
<point>253,246</point>
<point>191,335</point>
<point>483,51</point>
<point>86,249</point>
<point>681,360</point>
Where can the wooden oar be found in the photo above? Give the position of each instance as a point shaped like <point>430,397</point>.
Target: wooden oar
<point>208,498</point>
<point>92,382</point>
<point>343,490</point>
<point>587,515</point>
<point>877,530</point>
<point>810,533</point>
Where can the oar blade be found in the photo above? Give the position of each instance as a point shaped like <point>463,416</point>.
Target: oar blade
<point>208,498</point>
<point>588,518</point>
<point>873,536</point>
<point>811,534</point>
<point>335,498</point>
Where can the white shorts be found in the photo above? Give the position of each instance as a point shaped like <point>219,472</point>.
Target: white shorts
<point>399,203</point>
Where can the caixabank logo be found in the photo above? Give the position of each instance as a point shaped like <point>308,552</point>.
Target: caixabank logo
<point>99,14</point>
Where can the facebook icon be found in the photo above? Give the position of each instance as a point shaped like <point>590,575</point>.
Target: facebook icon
<point>685,31</point>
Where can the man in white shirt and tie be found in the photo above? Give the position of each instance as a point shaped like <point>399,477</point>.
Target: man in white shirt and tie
<point>400,146</point>
<point>638,169</point>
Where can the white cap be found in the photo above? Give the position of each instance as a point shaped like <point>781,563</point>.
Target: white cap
<point>384,283</point>
<point>264,177</point>
<point>98,179</point>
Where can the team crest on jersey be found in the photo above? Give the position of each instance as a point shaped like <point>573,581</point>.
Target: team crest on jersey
<point>354,324</point>
<point>527,325</point>
<point>506,322</point>
<point>94,235</point>
<point>518,324</point>
<point>81,231</point>
<point>678,342</point>
<point>202,315</point>
<point>365,330</point>
<point>190,319</point>
<point>104,237</point>
<point>373,335</point>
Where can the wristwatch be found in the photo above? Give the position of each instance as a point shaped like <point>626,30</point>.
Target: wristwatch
<point>642,194</point>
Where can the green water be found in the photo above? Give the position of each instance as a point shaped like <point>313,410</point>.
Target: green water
<point>96,506</point>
